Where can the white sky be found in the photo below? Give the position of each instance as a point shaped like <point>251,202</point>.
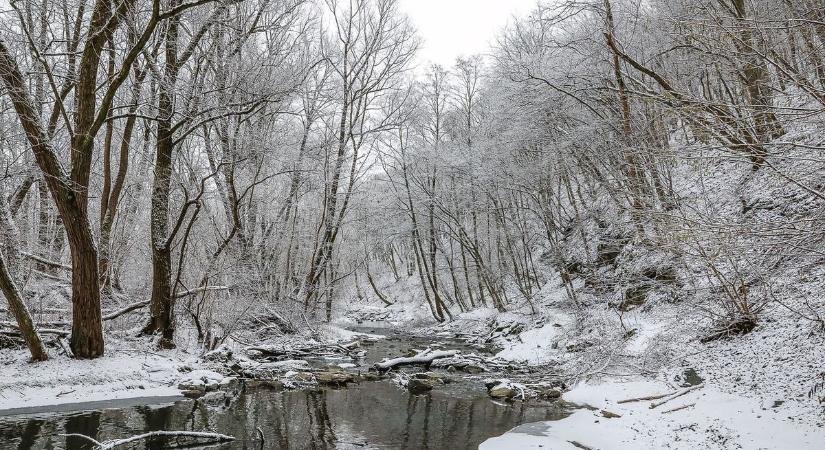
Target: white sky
<point>452,28</point>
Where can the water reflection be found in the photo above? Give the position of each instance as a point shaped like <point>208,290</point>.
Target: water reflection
<point>369,415</point>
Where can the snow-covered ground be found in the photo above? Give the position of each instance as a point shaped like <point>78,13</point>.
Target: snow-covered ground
<point>127,371</point>
<point>118,375</point>
<point>709,418</point>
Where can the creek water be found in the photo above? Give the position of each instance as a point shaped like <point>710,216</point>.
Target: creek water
<point>369,415</point>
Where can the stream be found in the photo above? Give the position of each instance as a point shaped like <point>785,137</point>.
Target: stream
<point>368,415</point>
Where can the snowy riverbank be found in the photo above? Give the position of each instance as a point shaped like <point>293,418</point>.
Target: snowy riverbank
<point>759,390</point>
<point>702,418</point>
<point>125,371</point>
<point>120,374</point>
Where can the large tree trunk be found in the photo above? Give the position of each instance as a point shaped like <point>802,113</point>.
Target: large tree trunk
<point>161,303</point>
<point>70,196</point>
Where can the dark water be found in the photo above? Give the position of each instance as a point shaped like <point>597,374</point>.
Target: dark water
<point>370,415</point>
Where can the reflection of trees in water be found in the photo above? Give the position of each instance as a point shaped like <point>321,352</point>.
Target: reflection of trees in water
<point>321,433</point>
<point>27,433</point>
<point>378,413</point>
<point>86,423</point>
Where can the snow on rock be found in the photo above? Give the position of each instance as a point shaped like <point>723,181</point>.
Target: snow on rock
<point>702,418</point>
<point>202,377</point>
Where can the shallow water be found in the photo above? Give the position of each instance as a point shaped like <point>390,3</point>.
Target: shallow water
<point>370,415</point>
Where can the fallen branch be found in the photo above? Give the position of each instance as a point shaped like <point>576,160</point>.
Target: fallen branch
<point>45,261</point>
<point>127,309</point>
<point>52,277</point>
<point>16,330</point>
<point>649,397</point>
<point>425,358</point>
<point>198,290</point>
<point>210,438</point>
<point>61,332</point>
<point>323,350</point>
<point>679,408</point>
<point>677,395</point>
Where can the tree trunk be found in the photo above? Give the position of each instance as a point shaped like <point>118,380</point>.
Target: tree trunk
<point>161,303</point>
<point>21,314</point>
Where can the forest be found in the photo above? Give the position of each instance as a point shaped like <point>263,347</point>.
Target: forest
<point>619,198</point>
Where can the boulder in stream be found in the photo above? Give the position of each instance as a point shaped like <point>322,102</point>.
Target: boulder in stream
<point>504,389</point>
<point>420,386</point>
<point>334,377</point>
<point>425,382</point>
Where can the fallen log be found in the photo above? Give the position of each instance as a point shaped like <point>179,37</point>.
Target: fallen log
<point>424,358</point>
<point>318,351</point>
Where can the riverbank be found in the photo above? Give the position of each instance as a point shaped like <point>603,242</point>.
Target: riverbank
<point>704,417</point>
<point>761,390</point>
<point>122,373</point>
<point>127,371</point>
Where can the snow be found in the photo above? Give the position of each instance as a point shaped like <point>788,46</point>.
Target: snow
<point>536,346</point>
<point>62,380</point>
<point>203,377</point>
<point>718,420</point>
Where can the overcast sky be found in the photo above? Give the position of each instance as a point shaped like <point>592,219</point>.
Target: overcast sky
<point>452,28</point>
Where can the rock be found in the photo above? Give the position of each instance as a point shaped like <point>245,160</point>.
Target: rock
<point>502,391</point>
<point>549,393</point>
<point>609,415</point>
<point>304,377</point>
<point>420,386</point>
<point>266,384</point>
<point>334,377</point>
<point>193,393</point>
<point>372,376</point>
<point>489,384</point>
<point>472,368</point>
<point>220,354</point>
<point>578,346</point>
<point>443,379</point>
<point>688,378</point>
